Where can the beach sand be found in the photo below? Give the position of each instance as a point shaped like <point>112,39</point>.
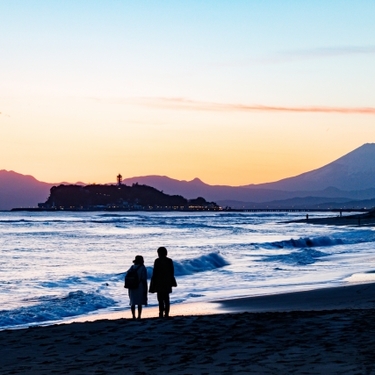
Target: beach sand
<point>327,331</point>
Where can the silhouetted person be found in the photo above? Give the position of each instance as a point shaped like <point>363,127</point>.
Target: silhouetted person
<point>162,281</point>
<point>138,296</point>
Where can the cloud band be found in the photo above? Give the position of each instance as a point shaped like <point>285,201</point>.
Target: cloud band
<point>191,105</point>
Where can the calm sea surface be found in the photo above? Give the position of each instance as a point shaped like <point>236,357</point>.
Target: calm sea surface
<point>55,266</point>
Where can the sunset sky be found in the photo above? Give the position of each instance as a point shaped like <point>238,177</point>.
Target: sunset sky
<point>232,92</point>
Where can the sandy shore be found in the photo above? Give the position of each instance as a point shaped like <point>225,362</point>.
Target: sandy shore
<point>329,331</point>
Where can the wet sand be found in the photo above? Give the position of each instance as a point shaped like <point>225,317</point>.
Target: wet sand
<point>329,331</point>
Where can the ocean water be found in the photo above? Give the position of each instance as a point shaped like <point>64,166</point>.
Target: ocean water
<point>55,266</point>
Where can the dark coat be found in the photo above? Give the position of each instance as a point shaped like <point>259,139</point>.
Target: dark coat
<point>163,278</point>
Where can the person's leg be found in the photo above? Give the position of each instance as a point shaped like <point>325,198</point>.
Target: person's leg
<point>133,310</point>
<point>167,304</point>
<point>139,311</point>
<point>161,304</point>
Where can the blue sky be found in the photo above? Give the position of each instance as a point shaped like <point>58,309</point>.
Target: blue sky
<point>205,89</point>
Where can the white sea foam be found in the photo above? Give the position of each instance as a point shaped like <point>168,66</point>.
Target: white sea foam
<point>54,308</point>
<point>64,264</point>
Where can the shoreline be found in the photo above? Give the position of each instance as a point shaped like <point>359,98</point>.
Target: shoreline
<point>357,220</point>
<point>352,296</point>
<point>275,209</point>
<point>313,332</point>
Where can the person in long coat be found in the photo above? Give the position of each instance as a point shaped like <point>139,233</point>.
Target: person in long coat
<point>139,296</point>
<point>163,280</point>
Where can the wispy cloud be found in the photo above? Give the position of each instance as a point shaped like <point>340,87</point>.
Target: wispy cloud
<point>328,52</point>
<point>286,56</point>
<point>191,105</point>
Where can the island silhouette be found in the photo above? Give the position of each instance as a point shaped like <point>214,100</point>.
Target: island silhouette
<point>120,197</point>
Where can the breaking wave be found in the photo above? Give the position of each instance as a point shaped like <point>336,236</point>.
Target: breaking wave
<point>301,257</point>
<point>305,242</point>
<point>54,308</point>
<point>203,263</point>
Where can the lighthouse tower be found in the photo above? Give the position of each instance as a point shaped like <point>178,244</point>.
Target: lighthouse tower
<point>119,179</point>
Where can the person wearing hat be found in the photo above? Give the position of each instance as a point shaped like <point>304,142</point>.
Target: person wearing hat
<point>138,296</point>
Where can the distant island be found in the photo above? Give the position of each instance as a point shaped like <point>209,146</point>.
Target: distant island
<point>120,197</point>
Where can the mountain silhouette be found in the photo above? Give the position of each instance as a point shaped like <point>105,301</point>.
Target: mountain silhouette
<point>353,171</point>
<point>18,190</point>
<point>348,179</point>
<point>351,177</point>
